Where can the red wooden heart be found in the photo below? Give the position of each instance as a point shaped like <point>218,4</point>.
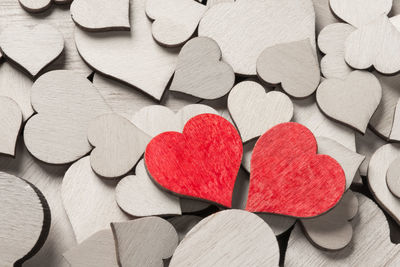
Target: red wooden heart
<point>289,178</point>
<point>202,162</point>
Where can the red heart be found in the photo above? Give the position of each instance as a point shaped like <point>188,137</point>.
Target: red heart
<point>289,178</point>
<point>202,162</point>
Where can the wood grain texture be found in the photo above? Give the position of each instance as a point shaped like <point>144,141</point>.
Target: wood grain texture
<point>323,14</point>
<point>392,178</point>
<point>144,242</point>
<point>293,65</point>
<point>137,58</point>
<point>395,133</point>
<point>31,48</point>
<point>254,111</point>
<point>352,101</point>
<point>175,21</point>
<point>374,44</point>
<point>65,103</point>
<point>118,143</point>
<point>89,201</point>
<point>103,15</point>
<point>243,29</point>
<point>10,125</point>
<point>200,71</point>
<point>139,196</point>
<point>228,238</point>
<point>183,224</point>
<point>25,217</point>
<point>215,2</point>
<point>35,6</point>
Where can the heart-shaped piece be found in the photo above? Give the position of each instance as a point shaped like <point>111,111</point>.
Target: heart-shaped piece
<point>118,145</point>
<point>395,132</point>
<point>202,162</point>
<point>393,177</point>
<point>175,21</point>
<point>352,101</point>
<point>10,124</point>
<point>31,48</point>
<point>66,103</point>
<point>101,15</point>
<point>35,6</point>
<point>200,72</point>
<point>285,168</point>
<point>254,111</point>
<point>293,65</point>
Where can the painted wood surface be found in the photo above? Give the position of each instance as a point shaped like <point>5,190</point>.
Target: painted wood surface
<point>10,125</point>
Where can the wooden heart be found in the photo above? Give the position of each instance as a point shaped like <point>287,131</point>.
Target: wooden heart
<point>200,163</point>
<point>35,6</point>
<point>10,125</point>
<point>360,12</point>
<point>393,178</point>
<point>103,15</point>
<point>200,72</point>
<point>254,111</point>
<point>293,65</point>
<point>31,48</point>
<point>395,132</point>
<point>139,61</point>
<point>352,101</point>
<point>145,241</point>
<point>118,145</point>
<point>66,103</point>
<point>175,21</point>
<point>89,200</point>
<point>285,167</point>
<point>228,238</point>
<point>374,44</point>
<point>25,220</point>
<point>139,196</point>
<point>243,29</point>
<point>367,144</point>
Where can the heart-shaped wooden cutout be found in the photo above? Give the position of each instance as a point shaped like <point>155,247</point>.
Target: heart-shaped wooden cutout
<point>285,168</point>
<point>35,6</point>
<point>254,111</point>
<point>393,177</point>
<point>101,15</point>
<point>10,125</point>
<point>201,163</point>
<point>31,48</point>
<point>66,103</point>
<point>175,21</point>
<point>352,101</point>
<point>200,72</point>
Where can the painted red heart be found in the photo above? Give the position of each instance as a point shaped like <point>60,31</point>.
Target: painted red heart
<point>201,162</point>
<point>288,177</point>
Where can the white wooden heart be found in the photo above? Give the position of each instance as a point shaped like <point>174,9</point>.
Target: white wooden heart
<point>254,111</point>
<point>35,6</point>
<point>31,48</point>
<point>66,103</point>
<point>393,177</point>
<point>10,125</point>
<point>200,72</point>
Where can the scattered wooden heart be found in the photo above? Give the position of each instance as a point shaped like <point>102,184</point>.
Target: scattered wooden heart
<point>332,231</point>
<point>293,65</point>
<point>98,250</point>
<point>254,111</point>
<point>89,201</point>
<point>286,154</point>
<point>208,152</point>
<point>228,238</point>
<point>144,242</point>
<point>139,196</point>
<point>103,15</point>
<point>175,21</point>
<point>25,220</point>
<point>183,224</point>
<point>367,144</point>
<point>393,177</point>
<point>374,44</point>
<point>243,29</point>
<point>352,101</point>
<point>35,6</point>
<point>200,72</point>
<point>118,143</point>
<point>137,58</point>
<point>360,12</point>
<point>66,103</point>
<point>10,125</point>
<point>31,48</point>
<point>395,133</point>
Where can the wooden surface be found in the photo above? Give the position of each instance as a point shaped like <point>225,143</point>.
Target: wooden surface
<point>35,6</point>
<point>323,14</point>
<point>66,103</point>
<point>10,124</point>
<point>293,65</point>
<point>118,143</point>
<point>228,238</point>
<point>144,242</point>
<point>254,111</point>
<point>200,71</point>
<point>392,178</point>
<point>258,25</point>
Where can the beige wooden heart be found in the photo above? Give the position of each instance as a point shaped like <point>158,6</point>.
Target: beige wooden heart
<point>10,124</point>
